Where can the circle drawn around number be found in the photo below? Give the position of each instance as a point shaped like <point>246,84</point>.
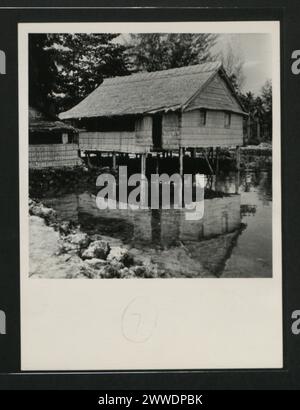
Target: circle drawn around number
<point>139,320</point>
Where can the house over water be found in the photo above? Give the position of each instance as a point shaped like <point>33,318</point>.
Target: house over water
<point>182,109</point>
<point>52,143</point>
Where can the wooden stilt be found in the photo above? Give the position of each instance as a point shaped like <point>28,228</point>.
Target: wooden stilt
<point>88,159</point>
<point>217,160</point>
<point>193,153</point>
<point>238,167</point>
<point>216,182</point>
<point>114,160</point>
<point>143,164</point>
<point>238,158</point>
<point>237,182</point>
<point>181,154</point>
<point>207,160</point>
<point>143,179</point>
<point>157,164</point>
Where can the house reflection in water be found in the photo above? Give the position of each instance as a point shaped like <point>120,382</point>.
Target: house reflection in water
<point>201,247</point>
<point>208,242</point>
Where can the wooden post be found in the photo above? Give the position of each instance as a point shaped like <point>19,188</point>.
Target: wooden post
<point>181,155</point>
<point>194,152</point>
<point>114,160</point>
<point>238,166</point>
<point>237,182</point>
<point>157,163</point>
<point>238,158</point>
<point>208,163</point>
<point>88,159</point>
<point>217,160</point>
<point>143,178</point>
<point>143,164</point>
<point>216,182</point>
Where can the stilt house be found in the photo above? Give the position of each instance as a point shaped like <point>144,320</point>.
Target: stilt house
<point>192,107</point>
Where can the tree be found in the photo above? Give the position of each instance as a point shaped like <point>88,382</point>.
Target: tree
<point>84,60</point>
<point>260,114</point>
<point>248,101</point>
<point>233,64</point>
<point>266,95</point>
<point>42,72</point>
<point>67,67</point>
<point>157,51</point>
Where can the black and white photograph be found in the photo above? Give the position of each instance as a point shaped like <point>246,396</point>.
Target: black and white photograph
<point>149,202</point>
<point>150,152</point>
<point>129,134</point>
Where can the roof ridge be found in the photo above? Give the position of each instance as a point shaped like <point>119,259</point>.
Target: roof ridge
<point>162,73</point>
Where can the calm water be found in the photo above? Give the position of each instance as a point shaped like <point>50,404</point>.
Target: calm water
<point>234,238</point>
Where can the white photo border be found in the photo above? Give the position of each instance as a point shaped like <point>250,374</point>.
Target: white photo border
<point>76,325</point>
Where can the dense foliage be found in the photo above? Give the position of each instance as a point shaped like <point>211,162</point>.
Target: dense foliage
<point>156,51</point>
<point>259,124</point>
<point>65,68</point>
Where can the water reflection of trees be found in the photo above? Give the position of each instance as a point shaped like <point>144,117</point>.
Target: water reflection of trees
<point>261,181</point>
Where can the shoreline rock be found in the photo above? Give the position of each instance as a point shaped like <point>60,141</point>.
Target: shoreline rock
<point>90,256</point>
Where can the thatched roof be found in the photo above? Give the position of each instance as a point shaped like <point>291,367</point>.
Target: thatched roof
<point>40,122</point>
<point>148,92</point>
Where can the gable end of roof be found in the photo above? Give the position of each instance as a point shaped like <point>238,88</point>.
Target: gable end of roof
<point>235,105</point>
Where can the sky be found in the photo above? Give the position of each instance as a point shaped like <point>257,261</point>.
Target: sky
<point>256,52</point>
<point>254,49</point>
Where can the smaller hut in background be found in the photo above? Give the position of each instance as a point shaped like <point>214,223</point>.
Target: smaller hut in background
<point>52,143</point>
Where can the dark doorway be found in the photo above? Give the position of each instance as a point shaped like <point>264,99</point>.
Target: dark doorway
<point>157,131</point>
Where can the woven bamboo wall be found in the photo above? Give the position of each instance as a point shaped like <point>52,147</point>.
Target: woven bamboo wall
<point>119,141</point>
<point>53,155</point>
<point>143,131</point>
<point>184,130</point>
<point>137,141</point>
<point>171,130</point>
